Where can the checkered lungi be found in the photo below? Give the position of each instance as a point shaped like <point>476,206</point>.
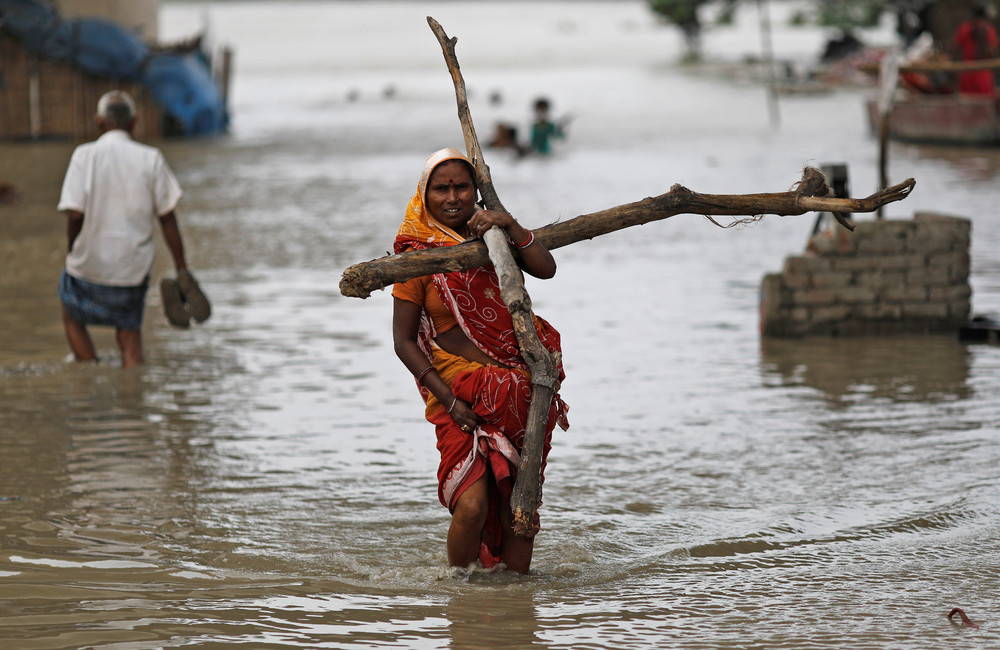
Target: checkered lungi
<point>98,304</point>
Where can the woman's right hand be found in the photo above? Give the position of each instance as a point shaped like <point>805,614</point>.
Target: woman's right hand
<point>465,417</point>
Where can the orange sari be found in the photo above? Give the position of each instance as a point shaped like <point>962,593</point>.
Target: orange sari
<point>497,394</point>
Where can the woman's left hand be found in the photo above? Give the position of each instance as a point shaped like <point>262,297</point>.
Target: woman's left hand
<point>483,220</point>
<point>465,417</point>
<point>534,257</point>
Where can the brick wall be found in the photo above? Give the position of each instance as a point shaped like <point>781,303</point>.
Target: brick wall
<point>888,277</point>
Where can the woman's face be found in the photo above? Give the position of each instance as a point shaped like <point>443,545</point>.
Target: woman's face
<point>451,194</point>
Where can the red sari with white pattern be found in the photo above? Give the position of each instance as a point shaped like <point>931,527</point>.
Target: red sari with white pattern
<point>500,395</point>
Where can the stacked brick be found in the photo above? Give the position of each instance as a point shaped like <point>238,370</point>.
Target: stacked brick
<point>888,277</point>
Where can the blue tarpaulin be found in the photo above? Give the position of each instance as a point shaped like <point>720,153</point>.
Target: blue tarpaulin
<point>181,83</point>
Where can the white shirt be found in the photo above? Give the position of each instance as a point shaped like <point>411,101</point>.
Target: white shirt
<point>122,187</point>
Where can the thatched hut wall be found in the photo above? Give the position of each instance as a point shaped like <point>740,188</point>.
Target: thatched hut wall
<point>46,99</point>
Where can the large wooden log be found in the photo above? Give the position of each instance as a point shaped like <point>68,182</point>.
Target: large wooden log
<point>360,280</point>
<point>544,367</point>
<point>484,181</point>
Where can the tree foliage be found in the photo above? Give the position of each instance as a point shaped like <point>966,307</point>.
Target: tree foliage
<point>849,14</point>
<point>836,13</point>
<point>685,15</point>
<point>846,15</point>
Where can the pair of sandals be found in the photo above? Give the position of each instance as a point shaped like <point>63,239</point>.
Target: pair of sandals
<point>183,300</point>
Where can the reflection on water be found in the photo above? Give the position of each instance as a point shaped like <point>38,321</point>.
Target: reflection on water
<point>267,479</point>
<point>509,615</point>
<point>923,369</point>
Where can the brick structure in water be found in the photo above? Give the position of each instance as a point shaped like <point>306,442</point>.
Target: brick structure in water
<point>888,277</point>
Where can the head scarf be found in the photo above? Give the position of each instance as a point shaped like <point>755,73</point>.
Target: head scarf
<point>418,224</point>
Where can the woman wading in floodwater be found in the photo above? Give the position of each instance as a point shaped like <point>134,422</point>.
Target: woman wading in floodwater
<point>454,333</point>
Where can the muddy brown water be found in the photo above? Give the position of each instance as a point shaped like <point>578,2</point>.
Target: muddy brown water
<point>267,479</point>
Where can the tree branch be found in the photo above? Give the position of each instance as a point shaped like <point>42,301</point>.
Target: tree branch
<point>360,280</point>
<point>527,492</point>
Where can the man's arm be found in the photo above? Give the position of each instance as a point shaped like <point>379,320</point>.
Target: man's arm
<point>172,235</point>
<point>74,224</point>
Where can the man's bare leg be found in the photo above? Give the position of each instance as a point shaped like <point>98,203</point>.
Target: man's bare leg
<point>130,343</point>
<point>79,339</point>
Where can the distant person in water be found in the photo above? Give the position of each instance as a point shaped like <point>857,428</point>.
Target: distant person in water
<point>544,130</point>
<point>505,137</point>
<point>976,39</point>
<point>114,192</point>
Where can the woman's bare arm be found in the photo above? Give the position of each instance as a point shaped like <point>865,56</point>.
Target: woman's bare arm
<point>534,257</point>
<point>405,325</point>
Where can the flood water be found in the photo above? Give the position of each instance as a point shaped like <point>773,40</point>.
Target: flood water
<point>267,478</point>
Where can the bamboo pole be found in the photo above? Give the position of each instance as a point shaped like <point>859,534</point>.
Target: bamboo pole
<point>543,365</point>
<point>888,79</point>
<point>768,55</point>
<point>6,115</point>
<point>34,99</point>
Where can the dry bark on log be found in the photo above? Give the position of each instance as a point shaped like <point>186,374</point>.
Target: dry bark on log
<point>360,280</point>
<point>474,151</point>
<point>544,367</point>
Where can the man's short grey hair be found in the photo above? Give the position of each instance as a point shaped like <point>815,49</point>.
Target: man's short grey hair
<point>116,109</point>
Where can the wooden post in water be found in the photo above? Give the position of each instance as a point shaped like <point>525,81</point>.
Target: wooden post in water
<point>888,78</point>
<point>34,98</point>
<point>768,51</point>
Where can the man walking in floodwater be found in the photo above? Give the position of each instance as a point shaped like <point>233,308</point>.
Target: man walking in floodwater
<point>114,191</point>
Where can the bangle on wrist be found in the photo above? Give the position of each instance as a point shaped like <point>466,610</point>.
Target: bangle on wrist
<point>527,242</point>
<point>420,377</point>
<point>453,402</point>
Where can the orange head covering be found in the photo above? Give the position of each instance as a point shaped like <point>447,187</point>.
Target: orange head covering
<point>418,224</point>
